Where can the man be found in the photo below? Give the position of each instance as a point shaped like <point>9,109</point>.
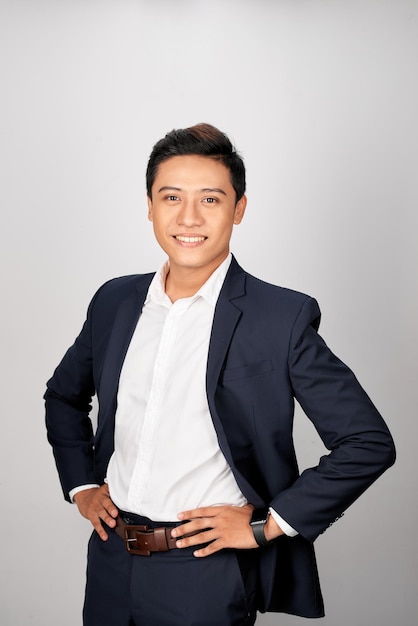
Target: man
<point>191,481</point>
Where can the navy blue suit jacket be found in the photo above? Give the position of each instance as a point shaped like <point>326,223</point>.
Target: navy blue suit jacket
<point>264,352</point>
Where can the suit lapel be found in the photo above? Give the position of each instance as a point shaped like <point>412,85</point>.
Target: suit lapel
<point>227,315</point>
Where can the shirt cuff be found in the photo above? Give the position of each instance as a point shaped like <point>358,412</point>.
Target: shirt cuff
<point>286,528</point>
<point>78,489</point>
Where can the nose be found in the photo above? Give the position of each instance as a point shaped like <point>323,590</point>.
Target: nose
<point>189,213</point>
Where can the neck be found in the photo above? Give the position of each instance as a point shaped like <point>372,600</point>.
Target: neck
<point>183,286</point>
<point>184,282</point>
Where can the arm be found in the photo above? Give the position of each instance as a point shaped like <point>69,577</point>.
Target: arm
<point>348,424</point>
<point>68,404</point>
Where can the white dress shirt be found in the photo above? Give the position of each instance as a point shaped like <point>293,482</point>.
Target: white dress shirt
<point>167,457</point>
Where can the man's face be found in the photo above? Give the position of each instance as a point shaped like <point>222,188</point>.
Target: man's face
<point>193,210</point>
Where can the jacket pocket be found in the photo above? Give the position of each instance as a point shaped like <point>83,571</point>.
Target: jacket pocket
<point>247,371</point>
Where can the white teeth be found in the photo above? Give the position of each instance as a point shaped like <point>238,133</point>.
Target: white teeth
<point>190,239</point>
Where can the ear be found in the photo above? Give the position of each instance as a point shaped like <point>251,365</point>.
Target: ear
<point>150,214</point>
<point>240,209</point>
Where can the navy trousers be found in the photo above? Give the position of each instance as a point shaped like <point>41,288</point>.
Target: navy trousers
<point>171,588</point>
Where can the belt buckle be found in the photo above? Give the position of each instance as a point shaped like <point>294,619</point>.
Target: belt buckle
<point>129,531</point>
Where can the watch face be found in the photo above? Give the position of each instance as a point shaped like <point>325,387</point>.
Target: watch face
<point>258,515</point>
<point>258,521</point>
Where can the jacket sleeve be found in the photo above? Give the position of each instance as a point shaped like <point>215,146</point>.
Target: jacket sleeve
<point>348,424</point>
<point>68,404</point>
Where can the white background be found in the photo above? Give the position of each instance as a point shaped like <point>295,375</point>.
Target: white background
<point>321,98</point>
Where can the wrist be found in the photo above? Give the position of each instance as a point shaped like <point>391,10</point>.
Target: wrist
<point>85,487</point>
<point>84,493</point>
<point>258,523</point>
<point>271,529</point>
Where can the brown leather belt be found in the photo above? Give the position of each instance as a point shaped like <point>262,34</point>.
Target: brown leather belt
<point>143,540</point>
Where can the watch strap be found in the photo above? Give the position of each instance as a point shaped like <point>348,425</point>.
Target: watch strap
<point>258,532</point>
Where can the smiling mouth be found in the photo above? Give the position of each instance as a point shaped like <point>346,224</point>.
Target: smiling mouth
<point>189,239</point>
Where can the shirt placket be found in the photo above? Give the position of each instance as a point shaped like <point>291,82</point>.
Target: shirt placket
<point>153,418</point>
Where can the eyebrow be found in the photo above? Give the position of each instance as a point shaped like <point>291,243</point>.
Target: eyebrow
<point>206,189</point>
<point>169,189</point>
<point>213,190</point>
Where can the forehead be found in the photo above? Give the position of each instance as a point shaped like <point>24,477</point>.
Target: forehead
<point>193,171</point>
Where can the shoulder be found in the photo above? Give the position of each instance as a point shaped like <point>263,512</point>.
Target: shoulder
<point>115,290</point>
<point>125,284</point>
<point>276,293</point>
<point>256,287</point>
<point>291,305</point>
<point>273,301</point>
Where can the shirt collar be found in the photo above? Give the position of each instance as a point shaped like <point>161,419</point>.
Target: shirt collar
<point>210,290</point>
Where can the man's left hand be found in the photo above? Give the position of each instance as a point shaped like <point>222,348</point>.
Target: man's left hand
<point>222,526</point>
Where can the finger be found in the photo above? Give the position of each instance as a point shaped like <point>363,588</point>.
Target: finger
<point>106,518</point>
<point>213,547</point>
<point>99,516</point>
<point>110,510</point>
<point>107,502</point>
<point>97,525</point>
<point>195,526</point>
<point>98,513</point>
<point>101,501</point>
<point>197,539</point>
<point>104,508</point>
<point>208,511</point>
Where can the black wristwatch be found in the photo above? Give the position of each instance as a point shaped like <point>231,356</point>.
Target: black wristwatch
<point>258,521</point>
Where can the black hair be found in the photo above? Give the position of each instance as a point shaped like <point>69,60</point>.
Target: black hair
<point>202,140</point>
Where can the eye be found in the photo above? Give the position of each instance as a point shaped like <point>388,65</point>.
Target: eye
<point>172,198</point>
<point>210,200</point>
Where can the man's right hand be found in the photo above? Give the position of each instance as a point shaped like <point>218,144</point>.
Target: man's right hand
<point>95,505</point>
